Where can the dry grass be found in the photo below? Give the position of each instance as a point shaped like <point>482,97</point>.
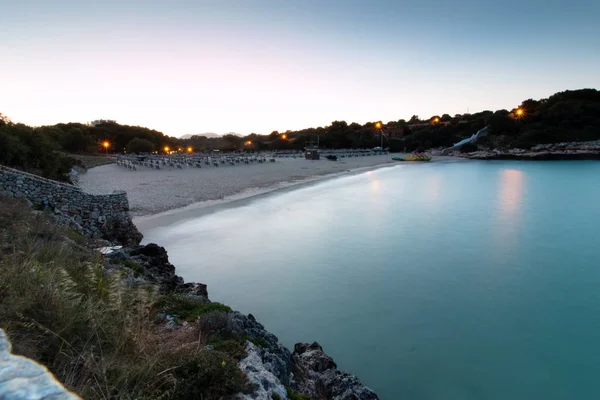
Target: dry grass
<point>60,306</point>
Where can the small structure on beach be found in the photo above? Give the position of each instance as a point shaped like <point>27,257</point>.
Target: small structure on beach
<point>312,154</point>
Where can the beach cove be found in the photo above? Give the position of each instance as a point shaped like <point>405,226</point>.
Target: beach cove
<point>467,279</point>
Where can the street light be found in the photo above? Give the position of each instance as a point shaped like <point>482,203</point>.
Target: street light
<point>378,126</point>
<point>284,136</point>
<point>167,149</point>
<point>106,145</point>
<point>248,142</point>
<point>190,149</point>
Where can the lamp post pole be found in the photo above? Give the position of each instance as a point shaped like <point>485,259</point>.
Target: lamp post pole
<point>380,129</point>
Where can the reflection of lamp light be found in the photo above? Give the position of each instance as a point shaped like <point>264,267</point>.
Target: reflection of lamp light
<point>511,190</point>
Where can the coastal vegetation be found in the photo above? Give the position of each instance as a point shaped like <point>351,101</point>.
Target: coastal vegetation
<point>73,310</point>
<point>563,117</point>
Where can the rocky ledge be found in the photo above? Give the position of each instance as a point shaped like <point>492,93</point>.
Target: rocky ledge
<point>271,368</point>
<point>553,151</point>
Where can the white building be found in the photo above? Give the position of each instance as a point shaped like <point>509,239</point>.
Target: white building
<point>102,121</point>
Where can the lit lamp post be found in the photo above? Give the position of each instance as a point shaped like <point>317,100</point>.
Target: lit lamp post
<point>106,146</point>
<point>167,149</point>
<point>284,136</point>
<point>378,127</point>
<point>190,149</point>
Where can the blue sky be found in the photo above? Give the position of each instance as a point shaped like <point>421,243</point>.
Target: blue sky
<point>256,66</point>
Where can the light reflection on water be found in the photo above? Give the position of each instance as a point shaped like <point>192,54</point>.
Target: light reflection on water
<point>468,280</point>
<point>511,192</point>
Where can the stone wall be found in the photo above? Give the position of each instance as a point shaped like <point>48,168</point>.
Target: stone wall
<point>100,216</point>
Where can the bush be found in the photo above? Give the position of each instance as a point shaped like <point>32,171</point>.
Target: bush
<point>211,375</point>
<point>295,396</point>
<point>188,307</point>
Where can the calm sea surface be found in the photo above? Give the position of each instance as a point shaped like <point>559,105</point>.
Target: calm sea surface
<point>458,280</point>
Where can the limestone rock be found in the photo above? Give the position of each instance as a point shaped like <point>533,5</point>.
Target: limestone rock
<point>316,375</point>
<point>265,382</point>
<point>22,378</point>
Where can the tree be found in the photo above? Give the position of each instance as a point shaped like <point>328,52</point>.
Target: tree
<point>137,145</point>
<point>414,119</point>
<point>273,135</point>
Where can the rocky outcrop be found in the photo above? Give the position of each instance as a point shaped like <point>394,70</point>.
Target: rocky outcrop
<point>150,263</point>
<point>316,375</point>
<point>269,366</point>
<point>552,151</point>
<point>22,378</point>
<point>96,216</point>
<point>275,357</point>
<point>265,382</point>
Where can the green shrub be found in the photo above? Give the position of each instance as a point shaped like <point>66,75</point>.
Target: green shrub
<point>208,308</point>
<point>234,348</point>
<point>137,268</point>
<point>188,307</point>
<point>212,374</point>
<point>260,342</point>
<point>295,396</point>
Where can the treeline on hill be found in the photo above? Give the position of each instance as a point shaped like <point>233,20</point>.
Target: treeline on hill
<point>564,116</point>
<point>45,150</point>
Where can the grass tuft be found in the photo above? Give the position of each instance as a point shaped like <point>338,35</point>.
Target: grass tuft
<point>295,396</point>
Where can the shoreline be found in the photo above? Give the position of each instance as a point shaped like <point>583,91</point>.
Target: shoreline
<point>240,199</point>
<point>153,193</point>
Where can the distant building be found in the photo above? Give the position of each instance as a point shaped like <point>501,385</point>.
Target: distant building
<point>102,121</point>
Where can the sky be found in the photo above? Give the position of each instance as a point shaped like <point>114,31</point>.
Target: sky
<point>194,66</point>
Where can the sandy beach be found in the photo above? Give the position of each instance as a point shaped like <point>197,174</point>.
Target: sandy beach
<point>154,191</point>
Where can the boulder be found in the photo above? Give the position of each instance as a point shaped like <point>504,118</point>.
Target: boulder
<point>316,375</point>
<point>22,378</point>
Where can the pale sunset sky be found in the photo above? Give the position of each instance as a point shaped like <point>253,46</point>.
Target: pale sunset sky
<point>193,66</point>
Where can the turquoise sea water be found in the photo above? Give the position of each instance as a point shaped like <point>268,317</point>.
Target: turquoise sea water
<point>459,280</point>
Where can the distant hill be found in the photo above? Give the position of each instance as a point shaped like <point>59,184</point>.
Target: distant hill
<point>210,135</point>
<point>207,134</point>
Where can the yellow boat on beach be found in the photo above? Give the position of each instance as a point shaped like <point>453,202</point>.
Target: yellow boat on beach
<point>414,157</point>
